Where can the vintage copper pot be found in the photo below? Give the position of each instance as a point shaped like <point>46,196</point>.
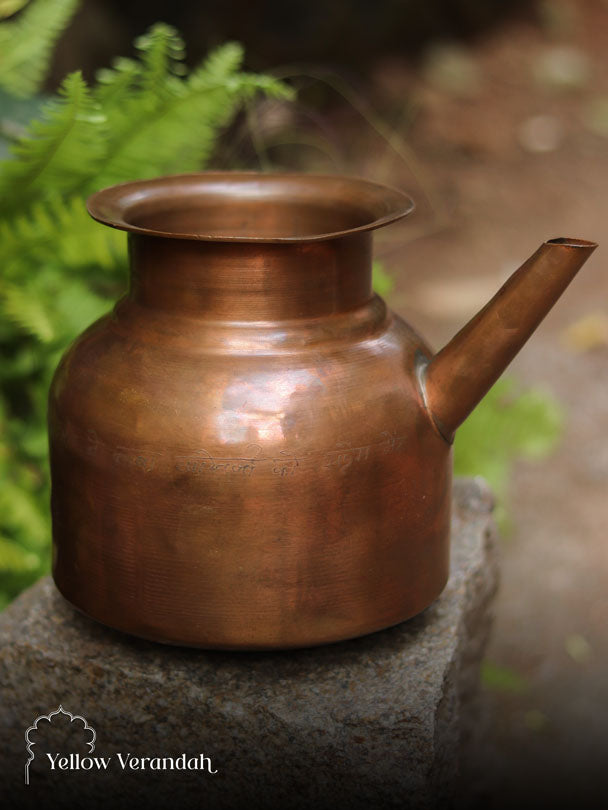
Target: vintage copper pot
<point>251,451</point>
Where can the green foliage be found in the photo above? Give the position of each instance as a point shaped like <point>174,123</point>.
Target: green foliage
<point>505,426</point>
<point>60,270</point>
<point>59,153</point>
<point>502,679</point>
<point>26,42</point>
<point>382,281</point>
<point>8,7</point>
<point>154,113</point>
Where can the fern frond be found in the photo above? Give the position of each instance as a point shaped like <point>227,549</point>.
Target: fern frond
<point>162,53</point>
<point>26,312</point>
<point>115,84</point>
<point>220,63</point>
<point>145,82</point>
<point>59,151</point>
<point>85,243</point>
<point>52,308</point>
<point>177,132</point>
<point>27,42</point>
<point>176,138</point>
<point>222,68</point>
<point>60,231</point>
<point>250,84</point>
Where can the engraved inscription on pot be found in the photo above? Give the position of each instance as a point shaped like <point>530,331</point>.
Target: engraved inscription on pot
<point>285,464</point>
<point>126,457</point>
<point>344,457</point>
<point>202,461</point>
<point>391,442</point>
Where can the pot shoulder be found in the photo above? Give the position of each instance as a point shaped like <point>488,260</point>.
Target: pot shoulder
<point>144,380</point>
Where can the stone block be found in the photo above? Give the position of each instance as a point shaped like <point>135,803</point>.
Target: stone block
<point>379,721</point>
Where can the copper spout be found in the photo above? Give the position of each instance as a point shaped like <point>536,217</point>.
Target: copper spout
<point>459,376</point>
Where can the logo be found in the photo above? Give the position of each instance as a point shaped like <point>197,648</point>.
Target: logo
<point>80,735</point>
<point>74,718</point>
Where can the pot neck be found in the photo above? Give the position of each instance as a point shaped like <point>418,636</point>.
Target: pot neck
<point>251,281</point>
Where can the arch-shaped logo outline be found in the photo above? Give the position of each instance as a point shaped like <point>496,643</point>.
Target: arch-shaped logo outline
<point>58,710</point>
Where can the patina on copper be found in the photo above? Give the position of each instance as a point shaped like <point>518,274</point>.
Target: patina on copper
<point>251,451</point>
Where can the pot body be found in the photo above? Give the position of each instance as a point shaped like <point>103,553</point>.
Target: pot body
<point>259,482</point>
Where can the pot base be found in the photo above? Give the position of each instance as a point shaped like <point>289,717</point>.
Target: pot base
<point>260,645</point>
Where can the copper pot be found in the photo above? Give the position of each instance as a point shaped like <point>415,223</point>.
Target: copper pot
<point>251,451</point>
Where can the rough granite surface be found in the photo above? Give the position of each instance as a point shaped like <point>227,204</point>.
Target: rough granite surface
<point>377,722</point>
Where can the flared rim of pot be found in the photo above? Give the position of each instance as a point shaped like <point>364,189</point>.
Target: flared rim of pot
<point>249,206</point>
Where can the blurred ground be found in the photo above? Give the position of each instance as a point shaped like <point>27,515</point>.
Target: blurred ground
<point>512,140</point>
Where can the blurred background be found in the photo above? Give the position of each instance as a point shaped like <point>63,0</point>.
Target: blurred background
<point>495,117</point>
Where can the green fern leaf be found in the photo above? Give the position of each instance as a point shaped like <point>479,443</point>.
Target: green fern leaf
<point>60,232</point>
<point>162,142</point>
<point>52,307</point>
<point>26,44</point>
<point>13,557</point>
<point>250,84</point>
<point>162,53</point>
<point>26,312</point>
<point>221,70</point>
<point>132,92</point>
<point>59,151</point>
<point>220,63</point>
<point>152,138</point>
<point>115,85</point>
<point>85,243</point>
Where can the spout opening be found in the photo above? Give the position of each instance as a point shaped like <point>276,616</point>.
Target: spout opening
<point>574,243</point>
